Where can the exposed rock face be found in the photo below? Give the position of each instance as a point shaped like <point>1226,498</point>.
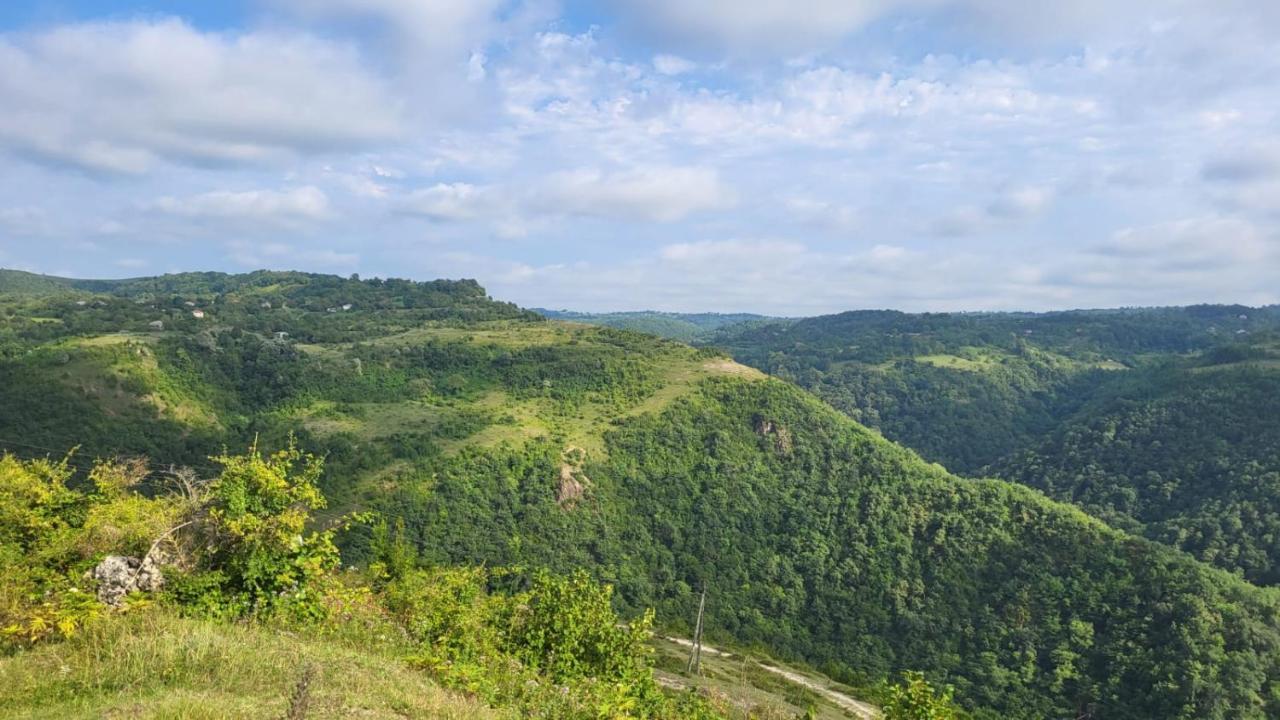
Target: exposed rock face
<point>780,435</point>
<point>571,488</point>
<point>117,576</point>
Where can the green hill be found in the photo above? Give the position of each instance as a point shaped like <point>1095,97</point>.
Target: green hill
<point>1159,421</point>
<point>685,327</point>
<point>1188,455</point>
<point>494,437</point>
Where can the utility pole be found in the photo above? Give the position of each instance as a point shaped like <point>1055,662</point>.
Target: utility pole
<point>695,656</point>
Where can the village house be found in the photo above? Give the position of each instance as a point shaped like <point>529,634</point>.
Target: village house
<point>197,314</point>
<point>156,324</point>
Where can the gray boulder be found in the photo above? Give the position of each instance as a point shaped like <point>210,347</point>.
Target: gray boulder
<point>118,575</point>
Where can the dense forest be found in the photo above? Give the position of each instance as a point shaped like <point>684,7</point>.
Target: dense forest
<point>1160,421</point>
<point>469,433</point>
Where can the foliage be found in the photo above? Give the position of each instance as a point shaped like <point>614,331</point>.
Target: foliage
<point>50,534</point>
<point>815,537</point>
<point>555,649</point>
<point>258,511</point>
<point>915,699</point>
<point>685,327</point>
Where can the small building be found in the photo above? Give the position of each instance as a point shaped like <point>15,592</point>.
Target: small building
<point>197,314</point>
<point>156,324</point>
<point>332,309</point>
<point>82,303</point>
<point>189,304</point>
<point>265,305</point>
<point>346,306</point>
<point>281,335</point>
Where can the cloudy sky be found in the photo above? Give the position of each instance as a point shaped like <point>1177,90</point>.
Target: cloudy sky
<point>777,156</point>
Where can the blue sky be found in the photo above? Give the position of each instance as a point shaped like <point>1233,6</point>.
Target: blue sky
<point>756,155</point>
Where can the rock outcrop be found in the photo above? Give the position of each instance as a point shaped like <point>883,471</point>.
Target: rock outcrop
<point>118,575</point>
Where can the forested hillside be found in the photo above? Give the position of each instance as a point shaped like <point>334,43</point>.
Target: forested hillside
<point>968,389</point>
<point>1188,455</point>
<point>1159,421</point>
<point>478,435</point>
<point>685,327</point>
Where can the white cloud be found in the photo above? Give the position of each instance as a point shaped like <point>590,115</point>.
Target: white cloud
<point>266,254</point>
<point>17,222</point>
<point>441,27</point>
<point>1197,245</point>
<point>450,202</point>
<point>1010,206</point>
<point>673,64</point>
<point>121,97</point>
<point>656,193</point>
<point>283,206</point>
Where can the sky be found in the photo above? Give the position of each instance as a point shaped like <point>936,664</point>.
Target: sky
<point>788,157</point>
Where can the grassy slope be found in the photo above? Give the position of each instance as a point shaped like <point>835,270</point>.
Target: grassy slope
<point>159,666</point>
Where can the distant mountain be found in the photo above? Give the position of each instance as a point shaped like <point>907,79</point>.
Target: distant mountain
<point>685,327</point>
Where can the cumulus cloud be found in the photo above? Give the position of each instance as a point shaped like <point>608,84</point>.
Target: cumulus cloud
<point>1009,206</point>
<point>657,194</point>
<point>919,172</point>
<point>275,206</point>
<point>450,202</point>
<point>1197,245</point>
<point>121,97</point>
<point>434,26</point>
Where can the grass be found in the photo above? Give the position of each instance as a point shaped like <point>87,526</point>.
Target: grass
<point>106,364</point>
<point>954,362</point>
<point>155,665</point>
<point>750,689</point>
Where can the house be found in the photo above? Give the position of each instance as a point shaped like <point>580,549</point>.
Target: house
<point>346,306</point>
<point>156,324</point>
<point>281,335</point>
<point>82,303</point>
<point>197,314</point>
<point>189,304</point>
<point>265,305</point>
<point>332,309</point>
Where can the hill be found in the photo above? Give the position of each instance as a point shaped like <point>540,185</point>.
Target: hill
<point>967,389</point>
<point>685,327</point>
<point>1159,421</point>
<point>1188,454</point>
<point>493,437</point>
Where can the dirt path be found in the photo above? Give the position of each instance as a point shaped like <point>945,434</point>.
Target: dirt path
<point>857,707</point>
<point>861,709</point>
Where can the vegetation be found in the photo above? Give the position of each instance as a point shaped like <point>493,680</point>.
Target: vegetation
<point>239,551</point>
<point>685,327</point>
<point>1161,422</point>
<point>507,455</point>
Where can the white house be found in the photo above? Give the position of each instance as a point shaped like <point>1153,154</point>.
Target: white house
<point>197,314</point>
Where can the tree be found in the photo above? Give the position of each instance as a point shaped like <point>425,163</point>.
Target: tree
<point>914,698</point>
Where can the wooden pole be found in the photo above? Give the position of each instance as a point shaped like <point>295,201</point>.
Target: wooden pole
<point>695,656</point>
